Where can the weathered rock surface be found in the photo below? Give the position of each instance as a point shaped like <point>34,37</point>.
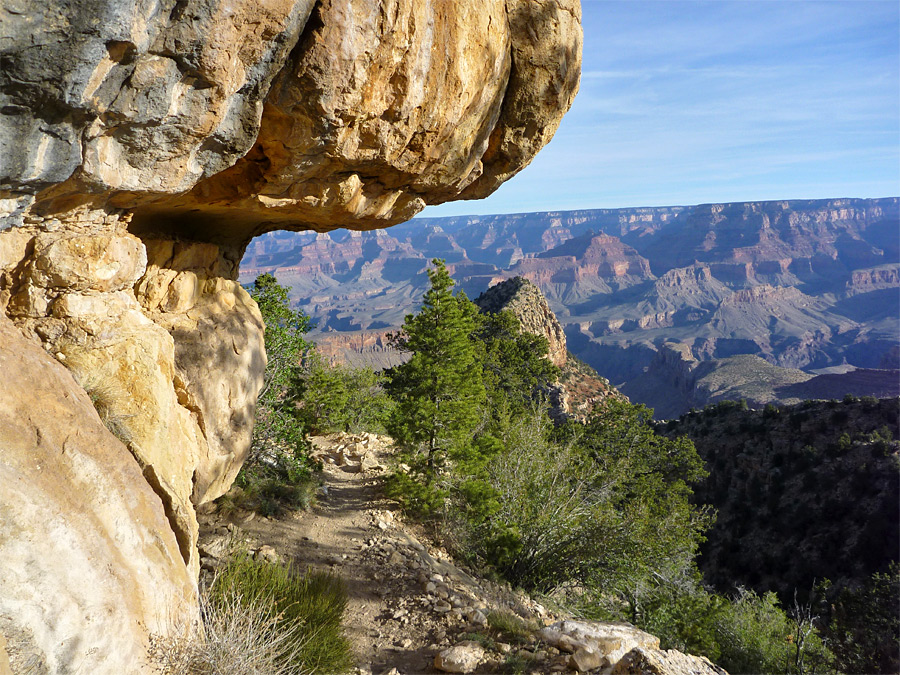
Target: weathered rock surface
<point>143,144</point>
<point>643,661</point>
<point>526,301</point>
<point>461,658</point>
<point>88,562</point>
<point>611,640</point>
<point>348,113</point>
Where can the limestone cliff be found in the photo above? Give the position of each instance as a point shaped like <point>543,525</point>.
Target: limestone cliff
<point>579,387</point>
<point>142,145</point>
<point>526,301</point>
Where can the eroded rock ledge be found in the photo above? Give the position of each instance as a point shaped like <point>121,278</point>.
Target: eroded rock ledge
<point>142,145</point>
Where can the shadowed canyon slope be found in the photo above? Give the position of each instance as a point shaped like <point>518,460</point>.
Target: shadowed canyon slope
<point>680,305</point>
<point>142,145</point>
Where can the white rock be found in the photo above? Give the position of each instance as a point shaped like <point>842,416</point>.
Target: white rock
<point>461,658</point>
<point>613,640</point>
<point>267,553</point>
<point>587,659</point>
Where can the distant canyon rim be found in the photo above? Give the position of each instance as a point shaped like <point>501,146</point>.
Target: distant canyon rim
<point>680,306</point>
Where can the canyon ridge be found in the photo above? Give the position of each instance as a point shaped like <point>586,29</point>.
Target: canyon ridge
<point>677,306</point>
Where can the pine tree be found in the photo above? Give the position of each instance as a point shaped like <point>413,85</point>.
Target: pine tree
<point>276,429</point>
<point>439,390</point>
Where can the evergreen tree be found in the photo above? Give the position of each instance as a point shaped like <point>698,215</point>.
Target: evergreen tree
<point>277,434</point>
<point>439,390</point>
<point>516,369</point>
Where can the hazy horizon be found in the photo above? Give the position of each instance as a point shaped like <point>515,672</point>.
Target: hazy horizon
<point>689,102</point>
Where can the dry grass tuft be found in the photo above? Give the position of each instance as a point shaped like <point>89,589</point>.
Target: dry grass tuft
<point>260,618</point>
<point>238,637</point>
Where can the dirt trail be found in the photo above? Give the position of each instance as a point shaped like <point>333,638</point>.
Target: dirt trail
<point>406,601</point>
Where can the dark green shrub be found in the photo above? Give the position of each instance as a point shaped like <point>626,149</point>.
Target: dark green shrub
<point>334,397</point>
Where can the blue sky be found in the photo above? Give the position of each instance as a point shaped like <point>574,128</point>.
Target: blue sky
<point>696,102</point>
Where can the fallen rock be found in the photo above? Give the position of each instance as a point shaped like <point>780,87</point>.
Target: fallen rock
<point>461,658</point>
<point>585,659</point>
<point>643,661</point>
<point>611,640</point>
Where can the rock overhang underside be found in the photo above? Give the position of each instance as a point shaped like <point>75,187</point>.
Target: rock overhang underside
<point>143,143</point>
<point>218,121</point>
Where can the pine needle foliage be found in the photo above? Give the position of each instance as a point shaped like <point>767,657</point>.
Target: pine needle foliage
<point>439,390</point>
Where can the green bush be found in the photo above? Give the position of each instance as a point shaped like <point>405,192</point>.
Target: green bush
<point>865,624</point>
<point>310,606</point>
<point>334,397</point>
<point>269,495</point>
<point>511,627</point>
<point>278,472</point>
<point>601,511</point>
<point>234,638</point>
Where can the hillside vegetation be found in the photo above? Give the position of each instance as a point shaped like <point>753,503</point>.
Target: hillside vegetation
<point>606,517</point>
<point>807,502</point>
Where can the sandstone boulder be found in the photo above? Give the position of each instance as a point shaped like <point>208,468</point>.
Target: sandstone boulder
<point>607,640</point>
<point>219,122</point>
<point>585,659</point>
<point>89,564</point>
<point>461,658</point>
<point>142,145</point>
<point>643,661</point>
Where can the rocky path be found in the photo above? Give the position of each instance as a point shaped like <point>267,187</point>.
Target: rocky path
<point>410,610</point>
<point>407,602</point>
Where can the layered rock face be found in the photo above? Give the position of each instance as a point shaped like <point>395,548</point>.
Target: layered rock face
<point>143,144</point>
<point>579,389</point>
<point>526,301</point>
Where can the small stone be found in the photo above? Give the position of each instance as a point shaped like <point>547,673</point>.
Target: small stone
<point>442,607</point>
<point>267,553</point>
<point>587,659</point>
<point>477,617</point>
<point>461,658</point>
<point>430,587</point>
<point>503,647</point>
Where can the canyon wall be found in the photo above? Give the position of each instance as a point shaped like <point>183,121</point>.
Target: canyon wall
<point>809,285</point>
<point>142,146</point>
